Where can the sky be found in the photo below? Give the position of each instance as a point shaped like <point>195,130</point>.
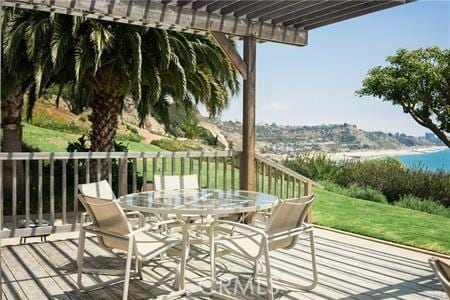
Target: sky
<point>316,84</point>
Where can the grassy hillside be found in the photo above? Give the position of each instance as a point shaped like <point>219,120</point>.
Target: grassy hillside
<point>386,222</point>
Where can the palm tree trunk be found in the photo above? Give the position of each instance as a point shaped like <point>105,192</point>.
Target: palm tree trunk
<point>12,142</point>
<point>104,118</point>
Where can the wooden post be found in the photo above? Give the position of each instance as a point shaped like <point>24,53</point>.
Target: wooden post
<point>247,170</point>
<point>307,192</point>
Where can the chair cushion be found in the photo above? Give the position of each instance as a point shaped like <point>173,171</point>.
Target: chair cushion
<point>150,244</point>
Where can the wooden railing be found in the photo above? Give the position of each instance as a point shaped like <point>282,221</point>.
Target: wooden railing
<point>38,191</point>
<point>276,179</point>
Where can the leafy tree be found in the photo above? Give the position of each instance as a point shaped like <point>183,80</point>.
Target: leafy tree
<point>419,81</point>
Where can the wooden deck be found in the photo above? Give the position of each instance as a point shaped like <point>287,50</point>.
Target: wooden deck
<point>349,268</point>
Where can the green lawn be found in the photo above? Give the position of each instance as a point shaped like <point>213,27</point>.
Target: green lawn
<point>386,222</point>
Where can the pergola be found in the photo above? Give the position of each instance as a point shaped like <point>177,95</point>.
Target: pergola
<point>277,21</point>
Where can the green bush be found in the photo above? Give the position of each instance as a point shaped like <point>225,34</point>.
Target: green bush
<point>387,175</point>
<point>317,167</point>
<point>355,191</point>
<point>58,125</point>
<point>394,180</point>
<point>425,205</point>
<point>129,137</point>
<point>174,145</point>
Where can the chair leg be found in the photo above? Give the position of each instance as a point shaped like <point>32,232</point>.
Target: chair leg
<point>80,256</point>
<point>128,268</point>
<point>313,260</point>
<point>139,268</point>
<point>268,273</point>
<point>212,248</point>
<point>291,283</point>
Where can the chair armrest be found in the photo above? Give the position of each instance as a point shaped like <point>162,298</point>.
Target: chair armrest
<point>101,232</point>
<point>239,225</point>
<point>139,215</point>
<point>134,232</point>
<point>290,233</point>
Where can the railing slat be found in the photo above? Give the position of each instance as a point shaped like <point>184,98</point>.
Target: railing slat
<point>191,166</point>
<point>270,179</point>
<point>40,200</point>
<point>182,162</point>
<point>208,180</point>
<point>173,171</point>
<point>257,175</point>
<point>64,190</point>
<point>282,185</point>
<point>233,186</point>
<point>200,172</point>
<point>27,193</point>
<point>134,189</point>
<point>224,173</point>
<point>88,170</point>
<point>110,179</point>
<point>99,170</point>
<point>14,194</point>
<point>75,190</point>
<point>52,192</point>
<point>216,171</point>
<point>263,180</point>
<point>154,168</point>
<point>293,187</point>
<point>144,174</point>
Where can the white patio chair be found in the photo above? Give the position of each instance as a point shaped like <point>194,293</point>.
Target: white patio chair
<point>442,270</point>
<point>282,230</point>
<point>100,189</point>
<point>175,182</point>
<point>114,233</point>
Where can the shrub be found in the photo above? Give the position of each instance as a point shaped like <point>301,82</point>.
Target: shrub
<point>129,137</point>
<point>425,205</point>
<point>355,191</point>
<point>394,180</point>
<point>387,175</point>
<point>317,167</point>
<point>174,145</point>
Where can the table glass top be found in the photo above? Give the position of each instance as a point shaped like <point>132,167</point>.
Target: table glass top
<point>199,201</point>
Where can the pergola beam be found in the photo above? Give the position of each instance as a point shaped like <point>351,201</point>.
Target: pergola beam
<point>169,16</point>
<point>230,51</point>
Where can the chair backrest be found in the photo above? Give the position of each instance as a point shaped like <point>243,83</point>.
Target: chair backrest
<point>442,270</point>
<point>99,189</point>
<point>175,182</point>
<point>287,215</point>
<point>107,216</point>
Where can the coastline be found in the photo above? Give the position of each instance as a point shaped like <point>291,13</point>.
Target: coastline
<point>371,154</point>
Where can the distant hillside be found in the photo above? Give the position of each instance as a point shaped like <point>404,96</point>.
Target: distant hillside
<point>276,139</point>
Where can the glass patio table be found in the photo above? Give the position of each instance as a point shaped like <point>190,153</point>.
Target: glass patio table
<point>201,202</point>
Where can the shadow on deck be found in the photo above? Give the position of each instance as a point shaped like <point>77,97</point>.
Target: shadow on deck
<point>349,268</point>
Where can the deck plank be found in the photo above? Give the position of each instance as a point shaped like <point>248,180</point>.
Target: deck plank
<point>349,268</point>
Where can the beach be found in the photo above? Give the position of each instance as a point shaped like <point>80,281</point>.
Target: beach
<point>369,154</point>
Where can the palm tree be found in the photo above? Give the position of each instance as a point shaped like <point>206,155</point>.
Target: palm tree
<point>156,68</point>
<point>25,66</point>
<point>24,69</point>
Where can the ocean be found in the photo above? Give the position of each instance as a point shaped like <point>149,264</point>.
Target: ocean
<point>432,161</point>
